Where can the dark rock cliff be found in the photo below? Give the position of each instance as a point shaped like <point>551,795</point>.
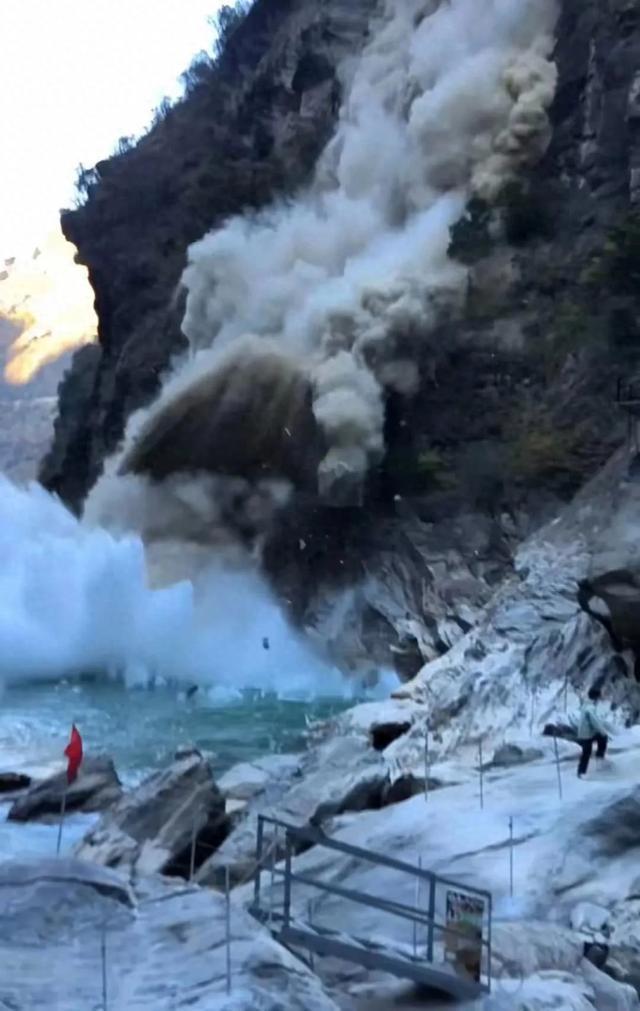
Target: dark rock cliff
<point>249,130</point>
<point>518,410</point>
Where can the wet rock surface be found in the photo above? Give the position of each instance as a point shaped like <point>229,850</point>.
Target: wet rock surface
<point>151,829</point>
<point>342,774</point>
<point>96,788</point>
<point>164,946</point>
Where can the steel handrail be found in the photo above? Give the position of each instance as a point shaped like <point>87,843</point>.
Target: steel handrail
<point>419,917</point>
<point>308,833</point>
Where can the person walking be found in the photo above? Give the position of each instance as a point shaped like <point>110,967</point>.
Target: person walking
<point>591,730</point>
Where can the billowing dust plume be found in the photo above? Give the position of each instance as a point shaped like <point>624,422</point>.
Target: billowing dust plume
<point>347,282</point>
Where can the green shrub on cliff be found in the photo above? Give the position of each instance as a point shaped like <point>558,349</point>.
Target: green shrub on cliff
<point>540,450</point>
<point>226,20</point>
<point>575,330</point>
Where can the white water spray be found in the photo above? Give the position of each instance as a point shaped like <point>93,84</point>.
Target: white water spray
<point>76,600</point>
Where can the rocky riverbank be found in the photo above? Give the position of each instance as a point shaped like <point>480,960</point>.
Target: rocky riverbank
<point>574,888</point>
<point>565,912</point>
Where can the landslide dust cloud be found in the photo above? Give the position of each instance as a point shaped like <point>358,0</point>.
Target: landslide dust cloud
<point>448,99</point>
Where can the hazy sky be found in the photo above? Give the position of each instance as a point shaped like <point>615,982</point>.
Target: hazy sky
<point>75,75</point>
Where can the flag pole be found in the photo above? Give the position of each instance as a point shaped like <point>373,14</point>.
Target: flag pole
<point>63,806</point>
<point>74,754</point>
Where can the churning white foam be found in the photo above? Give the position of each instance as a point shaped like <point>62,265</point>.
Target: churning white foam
<point>75,599</point>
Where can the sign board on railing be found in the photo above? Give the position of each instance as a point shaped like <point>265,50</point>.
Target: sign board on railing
<point>463,938</point>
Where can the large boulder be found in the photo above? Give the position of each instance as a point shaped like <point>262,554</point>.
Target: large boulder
<point>158,944</point>
<point>95,788</point>
<point>152,828</point>
<point>343,774</point>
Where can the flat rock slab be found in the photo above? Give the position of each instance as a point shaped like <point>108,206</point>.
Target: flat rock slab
<point>250,779</point>
<point>164,946</point>
<point>96,788</point>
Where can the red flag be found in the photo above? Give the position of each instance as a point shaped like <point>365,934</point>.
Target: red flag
<point>73,751</point>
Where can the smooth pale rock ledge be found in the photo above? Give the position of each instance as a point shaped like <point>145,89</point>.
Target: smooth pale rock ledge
<point>164,941</point>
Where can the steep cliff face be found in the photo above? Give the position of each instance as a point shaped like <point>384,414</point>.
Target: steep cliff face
<point>249,132</point>
<point>514,411</point>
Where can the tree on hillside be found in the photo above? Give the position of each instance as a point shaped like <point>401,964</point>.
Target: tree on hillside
<point>225,22</point>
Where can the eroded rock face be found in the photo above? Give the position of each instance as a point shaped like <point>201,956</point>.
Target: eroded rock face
<point>96,788</point>
<point>164,946</point>
<point>535,651</point>
<point>343,774</point>
<point>150,830</point>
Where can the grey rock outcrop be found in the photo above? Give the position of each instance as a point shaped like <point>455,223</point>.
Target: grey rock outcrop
<point>150,830</point>
<point>248,780</point>
<point>164,945</point>
<point>535,651</point>
<point>344,774</point>
<point>96,788</point>
<point>616,829</point>
<point>512,754</point>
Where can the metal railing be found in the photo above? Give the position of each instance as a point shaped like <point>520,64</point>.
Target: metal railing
<point>441,952</point>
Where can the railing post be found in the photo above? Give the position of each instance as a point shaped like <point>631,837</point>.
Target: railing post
<point>417,900</point>
<point>272,883</point>
<point>103,959</point>
<point>194,837</point>
<point>259,845</point>
<point>287,882</point>
<point>312,960</point>
<point>557,757</point>
<point>489,943</point>
<point>227,911</point>
<point>432,916</point>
